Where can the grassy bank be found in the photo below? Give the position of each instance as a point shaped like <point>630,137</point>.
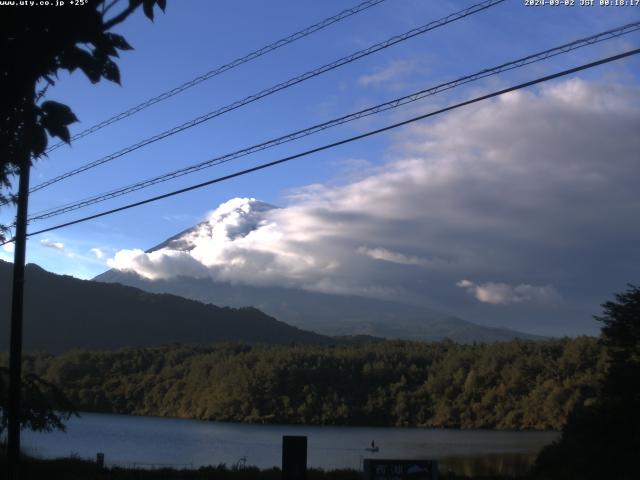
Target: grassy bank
<point>80,469</point>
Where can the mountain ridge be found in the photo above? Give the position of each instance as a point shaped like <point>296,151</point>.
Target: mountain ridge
<point>62,313</point>
<point>326,314</point>
<point>198,263</point>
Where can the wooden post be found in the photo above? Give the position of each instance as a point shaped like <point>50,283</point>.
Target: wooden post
<point>15,348</point>
<point>100,460</point>
<point>294,457</point>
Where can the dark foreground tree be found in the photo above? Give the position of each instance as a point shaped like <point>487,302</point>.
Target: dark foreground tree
<point>35,43</point>
<point>602,441</point>
<point>44,408</point>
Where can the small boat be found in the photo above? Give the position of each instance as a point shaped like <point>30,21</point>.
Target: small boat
<point>373,448</point>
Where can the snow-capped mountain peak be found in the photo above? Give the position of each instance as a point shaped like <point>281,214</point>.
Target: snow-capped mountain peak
<point>233,219</point>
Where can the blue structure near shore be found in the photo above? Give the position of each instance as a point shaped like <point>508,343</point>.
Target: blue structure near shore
<point>387,469</point>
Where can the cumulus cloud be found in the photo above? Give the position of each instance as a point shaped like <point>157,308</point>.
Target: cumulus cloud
<point>503,294</point>
<point>536,188</point>
<point>241,241</point>
<point>159,264</point>
<point>98,253</point>
<point>45,242</point>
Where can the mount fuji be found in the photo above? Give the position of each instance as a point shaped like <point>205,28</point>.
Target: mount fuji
<point>212,261</point>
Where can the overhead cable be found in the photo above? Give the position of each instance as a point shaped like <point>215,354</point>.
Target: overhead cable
<point>335,144</point>
<point>552,52</point>
<point>223,68</point>
<point>276,88</point>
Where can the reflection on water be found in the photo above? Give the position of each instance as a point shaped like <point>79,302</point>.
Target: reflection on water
<point>146,441</point>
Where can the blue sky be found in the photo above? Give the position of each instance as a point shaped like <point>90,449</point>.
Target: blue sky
<point>196,36</point>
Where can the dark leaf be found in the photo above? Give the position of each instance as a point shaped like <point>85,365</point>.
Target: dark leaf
<point>147,6</point>
<point>77,58</point>
<point>106,47</point>
<point>39,141</point>
<point>92,73</point>
<point>110,71</point>
<point>60,131</point>
<point>162,4</point>
<point>118,41</point>
<point>58,113</point>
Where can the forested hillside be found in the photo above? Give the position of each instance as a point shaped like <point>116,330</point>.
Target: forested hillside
<point>511,385</point>
<point>62,313</point>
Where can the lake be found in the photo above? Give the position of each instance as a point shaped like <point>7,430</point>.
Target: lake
<point>149,442</point>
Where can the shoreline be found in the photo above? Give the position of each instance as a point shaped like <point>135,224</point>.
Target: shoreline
<point>327,425</point>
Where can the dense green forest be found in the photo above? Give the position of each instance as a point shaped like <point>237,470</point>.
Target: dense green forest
<point>509,385</point>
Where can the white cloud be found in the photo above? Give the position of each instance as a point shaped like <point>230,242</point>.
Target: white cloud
<point>45,242</point>
<point>393,257</point>
<point>6,252</point>
<point>99,254</point>
<point>503,294</point>
<point>156,265</point>
<point>392,72</point>
<point>239,242</point>
<point>534,188</point>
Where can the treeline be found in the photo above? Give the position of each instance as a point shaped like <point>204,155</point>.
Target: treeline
<point>509,385</point>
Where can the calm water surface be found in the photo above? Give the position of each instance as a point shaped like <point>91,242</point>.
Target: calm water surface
<point>151,441</point>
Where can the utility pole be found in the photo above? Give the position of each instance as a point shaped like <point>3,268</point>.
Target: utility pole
<point>15,349</point>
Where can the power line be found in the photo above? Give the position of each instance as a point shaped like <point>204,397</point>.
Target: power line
<point>289,83</point>
<point>338,143</point>
<point>221,69</point>
<point>276,88</point>
<point>612,33</point>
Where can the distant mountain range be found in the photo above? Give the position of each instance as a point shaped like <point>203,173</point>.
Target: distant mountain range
<point>327,314</point>
<point>63,313</point>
